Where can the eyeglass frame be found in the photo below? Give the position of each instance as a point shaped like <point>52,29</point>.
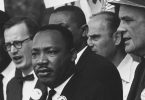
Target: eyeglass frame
<point>14,43</point>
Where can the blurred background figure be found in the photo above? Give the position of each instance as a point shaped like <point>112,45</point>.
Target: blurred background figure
<point>89,7</point>
<point>74,19</point>
<point>29,8</point>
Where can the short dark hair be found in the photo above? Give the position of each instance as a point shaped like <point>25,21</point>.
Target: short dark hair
<point>31,24</point>
<point>78,14</point>
<point>111,18</point>
<point>66,34</point>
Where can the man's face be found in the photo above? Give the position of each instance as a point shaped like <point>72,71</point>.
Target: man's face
<point>67,19</point>
<point>99,38</point>
<point>133,28</point>
<point>22,57</point>
<point>50,57</point>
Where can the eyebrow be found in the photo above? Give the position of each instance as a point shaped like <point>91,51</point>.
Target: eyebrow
<point>44,48</point>
<point>126,17</point>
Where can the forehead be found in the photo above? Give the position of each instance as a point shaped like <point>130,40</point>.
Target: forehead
<point>97,25</point>
<point>48,38</point>
<point>60,17</point>
<point>16,32</point>
<point>131,11</point>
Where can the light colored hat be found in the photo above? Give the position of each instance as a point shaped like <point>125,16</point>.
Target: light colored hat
<point>134,3</point>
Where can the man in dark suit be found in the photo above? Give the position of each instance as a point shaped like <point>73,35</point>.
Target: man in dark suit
<point>132,26</point>
<point>73,18</point>
<point>52,56</point>
<point>18,34</point>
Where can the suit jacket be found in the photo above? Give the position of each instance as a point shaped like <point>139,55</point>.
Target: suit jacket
<point>93,68</point>
<point>95,79</point>
<point>138,83</point>
<point>14,90</point>
<point>14,87</point>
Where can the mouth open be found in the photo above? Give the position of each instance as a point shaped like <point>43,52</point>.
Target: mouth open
<point>17,59</point>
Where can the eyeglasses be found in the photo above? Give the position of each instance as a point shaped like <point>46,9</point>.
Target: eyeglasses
<point>16,44</point>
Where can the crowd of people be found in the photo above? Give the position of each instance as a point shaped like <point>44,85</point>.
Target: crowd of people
<point>69,59</point>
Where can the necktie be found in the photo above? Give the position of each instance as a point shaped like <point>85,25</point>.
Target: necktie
<point>51,94</point>
<point>1,87</point>
<point>26,78</point>
<point>137,80</point>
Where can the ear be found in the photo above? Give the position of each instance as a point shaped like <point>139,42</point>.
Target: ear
<point>117,38</point>
<point>84,29</point>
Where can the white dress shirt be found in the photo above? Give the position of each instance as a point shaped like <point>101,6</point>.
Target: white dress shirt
<point>59,89</point>
<point>79,54</point>
<point>28,87</point>
<point>8,74</point>
<point>127,69</point>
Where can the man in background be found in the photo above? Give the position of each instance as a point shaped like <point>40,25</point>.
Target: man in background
<point>74,19</point>
<point>18,33</point>
<point>104,40</point>
<point>132,26</point>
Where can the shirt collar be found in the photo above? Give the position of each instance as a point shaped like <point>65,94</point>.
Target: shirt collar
<point>124,68</point>
<point>32,72</point>
<point>60,88</point>
<point>79,54</point>
<point>9,69</point>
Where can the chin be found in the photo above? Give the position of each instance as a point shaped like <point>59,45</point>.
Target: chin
<point>20,66</point>
<point>129,50</point>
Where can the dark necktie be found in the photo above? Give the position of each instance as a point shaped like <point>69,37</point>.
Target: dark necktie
<point>51,94</point>
<point>1,87</point>
<point>26,78</point>
<point>137,80</point>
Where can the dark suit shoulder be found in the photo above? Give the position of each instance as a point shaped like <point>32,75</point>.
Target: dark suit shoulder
<point>93,67</point>
<point>14,90</point>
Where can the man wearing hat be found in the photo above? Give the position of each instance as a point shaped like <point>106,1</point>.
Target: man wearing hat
<point>132,26</point>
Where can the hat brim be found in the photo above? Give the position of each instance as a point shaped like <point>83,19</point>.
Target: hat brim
<point>126,2</point>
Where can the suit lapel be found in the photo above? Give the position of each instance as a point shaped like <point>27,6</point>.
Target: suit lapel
<point>71,87</point>
<point>14,88</point>
<point>141,85</point>
<point>82,59</point>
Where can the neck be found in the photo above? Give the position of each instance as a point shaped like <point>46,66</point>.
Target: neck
<point>27,71</point>
<point>68,73</point>
<point>118,57</point>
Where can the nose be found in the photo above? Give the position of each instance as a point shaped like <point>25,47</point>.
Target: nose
<point>42,59</point>
<point>89,42</point>
<point>13,49</point>
<point>121,27</point>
